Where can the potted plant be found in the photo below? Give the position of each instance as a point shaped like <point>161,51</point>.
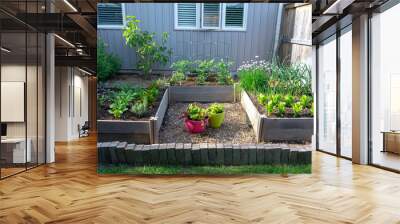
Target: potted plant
<point>216,115</point>
<point>195,119</point>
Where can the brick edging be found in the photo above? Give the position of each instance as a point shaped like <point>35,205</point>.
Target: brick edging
<point>210,154</point>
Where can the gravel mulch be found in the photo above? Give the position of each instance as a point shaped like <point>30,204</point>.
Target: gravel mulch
<point>235,129</point>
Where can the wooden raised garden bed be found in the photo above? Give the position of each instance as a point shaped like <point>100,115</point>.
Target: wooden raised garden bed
<point>147,131</point>
<point>277,129</point>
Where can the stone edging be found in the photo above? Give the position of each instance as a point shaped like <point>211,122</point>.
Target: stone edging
<point>199,154</point>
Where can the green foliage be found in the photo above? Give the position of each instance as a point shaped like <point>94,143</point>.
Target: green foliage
<point>140,108</point>
<point>254,81</point>
<point>107,64</point>
<point>281,109</point>
<point>306,101</point>
<point>148,50</point>
<point>161,83</point>
<point>201,79</point>
<point>262,99</point>
<point>312,109</point>
<point>275,77</point>
<point>183,66</point>
<point>196,113</point>
<point>270,108</point>
<point>275,99</point>
<point>297,109</point>
<point>151,94</point>
<point>215,108</point>
<point>177,77</point>
<point>223,74</point>
<point>289,100</point>
<point>119,105</point>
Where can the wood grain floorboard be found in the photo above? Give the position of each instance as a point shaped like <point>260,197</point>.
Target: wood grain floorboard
<point>70,191</point>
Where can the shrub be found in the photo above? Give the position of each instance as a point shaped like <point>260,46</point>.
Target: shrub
<point>215,108</point>
<point>177,77</point>
<point>148,50</point>
<point>195,112</point>
<point>201,79</point>
<point>107,64</point>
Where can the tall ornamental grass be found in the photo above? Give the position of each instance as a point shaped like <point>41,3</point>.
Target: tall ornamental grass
<point>275,77</point>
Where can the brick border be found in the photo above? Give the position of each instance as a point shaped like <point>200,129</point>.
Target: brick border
<point>199,154</point>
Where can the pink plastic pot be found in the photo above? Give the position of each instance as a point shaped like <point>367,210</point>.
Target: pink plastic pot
<point>196,126</point>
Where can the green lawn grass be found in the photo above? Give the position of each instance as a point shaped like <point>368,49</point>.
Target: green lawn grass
<point>205,170</point>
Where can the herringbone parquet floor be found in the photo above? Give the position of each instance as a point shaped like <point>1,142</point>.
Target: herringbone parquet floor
<point>70,191</point>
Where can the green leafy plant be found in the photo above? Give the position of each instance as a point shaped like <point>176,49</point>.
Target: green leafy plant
<point>201,79</point>
<point>107,64</point>
<point>312,109</point>
<point>270,108</point>
<point>305,101</point>
<point>183,66</point>
<point>151,94</point>
<point>281,109</point>
<point>177,77</point>
<point>224,76</point>
<point>215,108</point>
<point>262,99</point>
<point>140,108</point>
<point>289,100</point>
<point>148,50</point>
<point>195,112</point>
<point>118,106</point>
<point>297,109</point>
<point>275,99</point>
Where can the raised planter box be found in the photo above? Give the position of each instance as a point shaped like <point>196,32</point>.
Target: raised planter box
<point>140,132</point>
<point>201,94</point>
<point>277,129</point>
<point>147,132</point>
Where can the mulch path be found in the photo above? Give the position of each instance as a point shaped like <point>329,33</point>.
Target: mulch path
<point>235,129</point>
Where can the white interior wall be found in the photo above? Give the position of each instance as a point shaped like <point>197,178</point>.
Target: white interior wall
<point>71,102</point>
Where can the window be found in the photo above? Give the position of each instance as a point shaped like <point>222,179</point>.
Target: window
<point>187,15</point>
<point>218,16</point>
<point>110,15</point>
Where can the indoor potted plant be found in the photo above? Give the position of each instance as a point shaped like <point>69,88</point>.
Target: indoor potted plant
<point>216,115</point>
<point>195,119</point>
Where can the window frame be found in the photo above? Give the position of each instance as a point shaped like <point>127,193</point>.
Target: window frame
<point>199,19</point>
<point>219,18</point>
<point>177,27</point>
<point>227,28</point>
<point>123,11</point>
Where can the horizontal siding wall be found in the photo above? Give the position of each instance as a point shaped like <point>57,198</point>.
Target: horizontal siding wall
<point>238,46</point>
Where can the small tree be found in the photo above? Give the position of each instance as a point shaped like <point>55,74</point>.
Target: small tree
<point>107,64</point>
<point>148,50</point>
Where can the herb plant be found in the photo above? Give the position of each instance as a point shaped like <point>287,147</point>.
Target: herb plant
<point>215,108</point>
<point>297,109</point>
<point>140,108</point>
<point>177,78</point>
<point>223,74</point>
<point>196,113</point>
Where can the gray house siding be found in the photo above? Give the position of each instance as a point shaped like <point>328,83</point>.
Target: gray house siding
<point>238,46</point>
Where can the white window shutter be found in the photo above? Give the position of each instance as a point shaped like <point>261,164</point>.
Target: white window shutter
<point>110,14</point>
<point>187,15</point>
<point>211,15</point>
<point>234,15</point>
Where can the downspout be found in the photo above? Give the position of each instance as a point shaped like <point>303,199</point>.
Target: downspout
<point>278,29</point>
